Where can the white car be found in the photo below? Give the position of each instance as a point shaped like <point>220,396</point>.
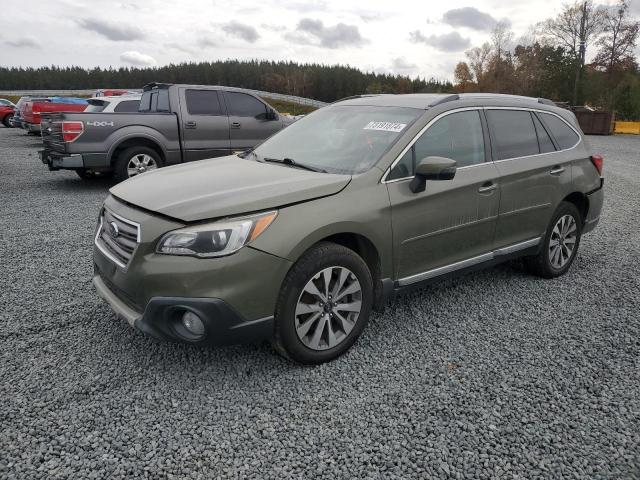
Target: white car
<point>119,104</point>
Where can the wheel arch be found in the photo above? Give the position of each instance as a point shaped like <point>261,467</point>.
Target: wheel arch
<point>581,201</point>
<point>135,141</point>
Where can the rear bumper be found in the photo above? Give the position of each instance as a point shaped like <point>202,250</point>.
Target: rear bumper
<point>73,161</point>
<point>162,316</point>
<point>596,200</point>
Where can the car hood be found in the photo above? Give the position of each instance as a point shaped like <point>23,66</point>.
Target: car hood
<point>225,186</point>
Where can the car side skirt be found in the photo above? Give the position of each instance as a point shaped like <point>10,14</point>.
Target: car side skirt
<point>528,247</point>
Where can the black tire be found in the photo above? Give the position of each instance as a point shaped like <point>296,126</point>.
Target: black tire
<point>87,174</point>
<point>120,167</point>
<point>541,264</point>
<point>322,256</point>
<point>6,121</point>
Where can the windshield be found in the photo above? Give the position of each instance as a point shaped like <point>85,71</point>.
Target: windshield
<point>341,138</point>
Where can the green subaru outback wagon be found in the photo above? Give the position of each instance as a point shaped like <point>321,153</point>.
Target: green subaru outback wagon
<point>300,239</point>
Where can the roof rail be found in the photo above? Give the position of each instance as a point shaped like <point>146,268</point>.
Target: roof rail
<point>546,101</point>
<point>351,97</point>
<point>448,98</point>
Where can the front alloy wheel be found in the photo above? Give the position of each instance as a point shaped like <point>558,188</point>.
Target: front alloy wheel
<point>328,308</point>
<point>324,304</point>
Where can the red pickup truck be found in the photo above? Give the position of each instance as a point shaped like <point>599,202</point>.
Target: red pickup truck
<point>31,111</point>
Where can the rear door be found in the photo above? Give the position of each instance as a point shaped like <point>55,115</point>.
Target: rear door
<point>205,125</point>
<point>533,175</point>
<point>248,120</point>
<point>452,220</point>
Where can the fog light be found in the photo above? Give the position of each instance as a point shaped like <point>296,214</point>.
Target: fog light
<point>193,324</point>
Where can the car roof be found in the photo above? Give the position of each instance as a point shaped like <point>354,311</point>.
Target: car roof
<point>427,100</point>
<point>119,98</point>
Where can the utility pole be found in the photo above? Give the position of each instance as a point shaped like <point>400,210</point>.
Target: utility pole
<point>581,52</point>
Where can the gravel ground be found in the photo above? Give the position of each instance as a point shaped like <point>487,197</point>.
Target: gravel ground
<point>494,375</point>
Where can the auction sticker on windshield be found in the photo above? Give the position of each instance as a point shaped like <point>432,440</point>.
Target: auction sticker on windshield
<point>385,126</point>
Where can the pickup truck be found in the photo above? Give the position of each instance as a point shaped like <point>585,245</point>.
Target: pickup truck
<point>174,124</point>
<point>33,110</point>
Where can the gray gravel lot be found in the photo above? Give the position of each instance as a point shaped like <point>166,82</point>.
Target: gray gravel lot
<point>493,375</point>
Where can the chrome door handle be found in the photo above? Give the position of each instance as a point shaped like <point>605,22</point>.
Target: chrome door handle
<point>556,170</point>
<point>235,124</point>
<point>190,124</point>
<point>487,187</point>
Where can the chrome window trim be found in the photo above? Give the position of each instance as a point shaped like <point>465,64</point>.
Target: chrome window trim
<point>468,262</point>
<point>462,109</point>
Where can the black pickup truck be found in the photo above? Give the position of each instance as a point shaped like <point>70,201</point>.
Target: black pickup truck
<point>174,124</point>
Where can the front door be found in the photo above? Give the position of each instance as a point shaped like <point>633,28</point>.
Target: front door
<point>205,126</point>
<point>249,122</point>
<point>452,220</point>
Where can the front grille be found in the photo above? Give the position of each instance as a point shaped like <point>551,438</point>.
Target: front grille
<point>117,237</point>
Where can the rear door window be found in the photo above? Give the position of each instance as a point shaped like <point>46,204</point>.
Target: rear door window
<point>512,133</point>
<point>203,102</point>
<point>127,106</point>
<point>563,133</point>
<point>243,105</point>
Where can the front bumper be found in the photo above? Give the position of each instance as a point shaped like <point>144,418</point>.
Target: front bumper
<point>73,161</point>
<point>162,315</point>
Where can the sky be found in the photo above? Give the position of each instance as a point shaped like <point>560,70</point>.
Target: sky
<point>416,38</point>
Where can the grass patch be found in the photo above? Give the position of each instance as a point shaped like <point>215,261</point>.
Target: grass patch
<point>289,107</point>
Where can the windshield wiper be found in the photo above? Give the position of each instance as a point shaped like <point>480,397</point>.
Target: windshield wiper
<point>293,163</point>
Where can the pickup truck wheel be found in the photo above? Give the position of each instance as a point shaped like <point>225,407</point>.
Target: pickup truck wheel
<point>324,304</point>
<point>7,121</point>
<point>560,243</point>
<point>136,161</point>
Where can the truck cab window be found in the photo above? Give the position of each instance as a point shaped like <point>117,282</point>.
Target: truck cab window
<point>203,102</point>
<point>243,105</point>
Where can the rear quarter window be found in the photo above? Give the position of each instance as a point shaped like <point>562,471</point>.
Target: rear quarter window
<point>565,136</point>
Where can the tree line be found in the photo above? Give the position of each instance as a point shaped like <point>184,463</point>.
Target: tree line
<point>321,82</point>
<point>550,61</point>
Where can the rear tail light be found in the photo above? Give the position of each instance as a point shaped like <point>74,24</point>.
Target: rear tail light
<point>598,162</point>
<point>71,131</point>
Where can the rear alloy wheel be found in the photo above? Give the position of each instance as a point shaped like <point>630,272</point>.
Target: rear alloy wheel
<point>324,304</point>
<point>560,243</point>
<point>135,161</point>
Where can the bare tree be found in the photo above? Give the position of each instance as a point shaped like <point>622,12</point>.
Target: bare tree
<point>479,58</point>
<point>574,28</point>
<point>501,37</point>
<point>619,39</point>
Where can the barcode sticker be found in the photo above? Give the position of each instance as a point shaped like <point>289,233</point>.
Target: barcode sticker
<point>385,126</point>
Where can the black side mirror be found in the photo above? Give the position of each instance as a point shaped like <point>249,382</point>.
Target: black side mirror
<point>432,168</point>
<point>271,114</point>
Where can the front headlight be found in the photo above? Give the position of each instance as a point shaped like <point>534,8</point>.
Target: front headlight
<point>215,239</point>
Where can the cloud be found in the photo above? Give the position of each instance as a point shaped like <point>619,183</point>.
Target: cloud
<point>447,42</point>
<point>469,17</point>
<point>308,6</point>
<point>273,27</point>
<point>401,63</point>
<point>179,47</point>
<point>240,30</point>
<point>206,42</point>
<point>313,32</point>
<point>25,42</point>
<point>112,31</point>
<point>138,59</point>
